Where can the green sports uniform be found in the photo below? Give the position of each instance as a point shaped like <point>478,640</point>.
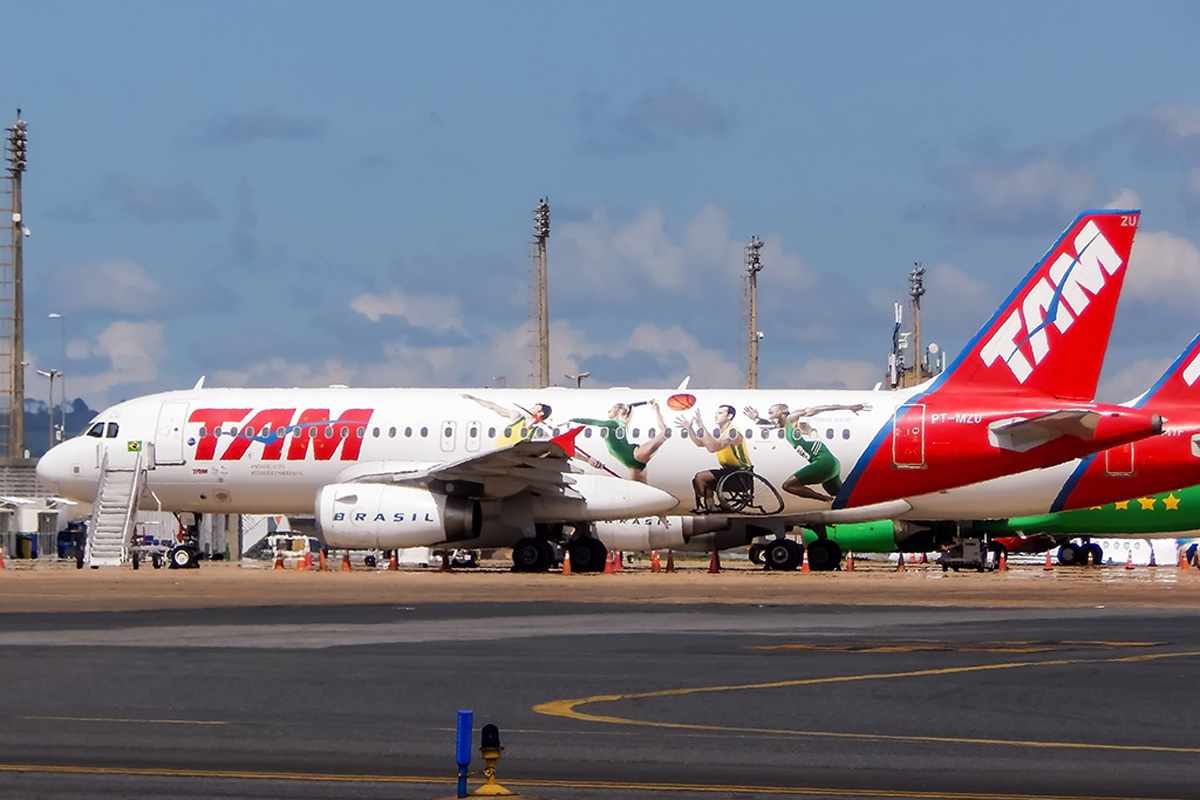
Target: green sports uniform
<point>823,466</point>
<point>619,446</point>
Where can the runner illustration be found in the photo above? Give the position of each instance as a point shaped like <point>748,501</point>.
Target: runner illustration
<point>729,446</point>
<point>522,423</point>
<point>634,457</point>
<point>823,466</point>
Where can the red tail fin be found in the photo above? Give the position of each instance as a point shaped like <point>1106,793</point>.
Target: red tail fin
<point>1180,384</point>
<point>1051,334</point>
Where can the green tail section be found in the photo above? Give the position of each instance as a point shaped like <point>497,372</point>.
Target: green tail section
<point>1169,512</point>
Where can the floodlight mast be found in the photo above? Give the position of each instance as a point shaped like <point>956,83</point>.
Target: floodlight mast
<point>754,266</point>
<point>12,295</point>
<point>541,301</point>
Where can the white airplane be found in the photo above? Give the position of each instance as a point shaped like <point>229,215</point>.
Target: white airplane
<point>392,468</point>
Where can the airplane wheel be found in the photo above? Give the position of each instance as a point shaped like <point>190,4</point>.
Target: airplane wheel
<point>783,554</point>
<point>757,554</point>
<point>531,555</point>
<point>182,557</point>
<point>156,559</point>
<point>369,562</point>
<point>587,555</point>
<point>1068,555</point>
<point>824,555</point>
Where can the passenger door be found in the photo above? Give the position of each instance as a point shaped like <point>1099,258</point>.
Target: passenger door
<point>449,436</point>
<point>168,436</point>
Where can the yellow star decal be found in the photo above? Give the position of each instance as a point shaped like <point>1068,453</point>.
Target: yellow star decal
<point>1122,505</point>
<point>1171,502</point>
<point>1096,508</point>
<point>1147,503</point>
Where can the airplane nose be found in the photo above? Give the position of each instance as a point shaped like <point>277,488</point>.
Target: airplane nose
<point>52,467</point>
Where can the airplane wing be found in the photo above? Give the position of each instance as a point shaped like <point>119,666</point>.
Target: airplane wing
<point>1025,433</point>
<point>524,465</point>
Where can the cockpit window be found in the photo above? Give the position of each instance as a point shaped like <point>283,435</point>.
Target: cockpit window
<point>112,430</point>
<point>96,431</point>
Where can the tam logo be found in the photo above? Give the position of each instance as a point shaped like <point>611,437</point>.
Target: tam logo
<point>1192,371</point>
<point>1057,298</point>
<point>313,429</point>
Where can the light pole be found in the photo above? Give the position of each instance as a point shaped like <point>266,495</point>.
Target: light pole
<point>578,378</point>
<point>62,386</point>
<point>754,266</point>
<point>51,374</point>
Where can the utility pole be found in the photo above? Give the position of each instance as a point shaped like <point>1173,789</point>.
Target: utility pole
<point>12,296</point>
<point>541,234</point>
<point>754,266</point>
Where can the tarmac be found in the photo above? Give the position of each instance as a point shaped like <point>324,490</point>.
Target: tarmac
<point>217,682</point>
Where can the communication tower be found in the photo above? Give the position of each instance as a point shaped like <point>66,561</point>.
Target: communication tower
<point>923,364</point>
<point>12,300</point>
<point>754,266</point>
<point>541,300</point>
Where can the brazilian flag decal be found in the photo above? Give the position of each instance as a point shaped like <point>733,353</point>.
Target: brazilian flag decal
<point>134,447</point>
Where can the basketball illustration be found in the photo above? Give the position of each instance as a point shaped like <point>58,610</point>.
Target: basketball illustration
<point>681,402</point>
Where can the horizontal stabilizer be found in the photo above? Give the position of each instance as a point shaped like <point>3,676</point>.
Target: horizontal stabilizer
<point>1023,434</point>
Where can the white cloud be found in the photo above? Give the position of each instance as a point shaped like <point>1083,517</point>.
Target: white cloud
<point>1179,121</point>
<point>1132,379</point>
<point>1037,183</point>
<point>1164,270</point>
<point>134,352</point>
<point>432,311</point>
<point>119,286</point>
<point>1124,198</point>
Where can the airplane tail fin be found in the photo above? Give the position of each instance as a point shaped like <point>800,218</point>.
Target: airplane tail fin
<point>1180,384</point>
<point>1051,334</point>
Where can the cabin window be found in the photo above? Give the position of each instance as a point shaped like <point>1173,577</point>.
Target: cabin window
<point>360,431</point>
<point>766,433</point>
<point>97,431</point>
<point>507,432</point>
<point>472,432</point>
<point>620,432</point>
<point>233,431</point>
<point>448,432</point>
<point>829,433</point>
<point>312,433</point>
<point>733,434</point>
<point>424,432</point>
<point>845,433</point>
<point>716,432</point>
<point>248,431</point>
<point>408,432</point>
<point>604,433</point>
<point>781,434</point>
<point>491,433</point>
<point>587,433</point>
<point>375,433</point>
<point>201,433</point>
<point>345,432</point>
<point>683,432</point>
<point>636,433</point>
<point>524,432</point>
<point>650,433</point>
<point>113,429</point>
<point>667,433</point>
<point>749,433</point>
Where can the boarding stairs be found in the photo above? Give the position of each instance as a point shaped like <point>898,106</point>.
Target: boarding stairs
<point>114,513</point>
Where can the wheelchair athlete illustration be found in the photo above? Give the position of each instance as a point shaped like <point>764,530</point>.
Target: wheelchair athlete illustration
<point>732,487</point>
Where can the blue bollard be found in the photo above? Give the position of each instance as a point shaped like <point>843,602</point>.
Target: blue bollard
<point>463,747</point>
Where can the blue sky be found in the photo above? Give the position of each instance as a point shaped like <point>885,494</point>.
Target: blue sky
<point>308,193</point>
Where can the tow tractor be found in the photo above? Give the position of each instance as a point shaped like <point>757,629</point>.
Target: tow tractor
<point>148,544</point>
<point>968,553</point>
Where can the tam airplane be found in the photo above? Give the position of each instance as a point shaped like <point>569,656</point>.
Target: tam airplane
<point>390,468</point>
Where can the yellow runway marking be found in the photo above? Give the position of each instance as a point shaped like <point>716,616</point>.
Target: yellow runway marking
<point>549,783</point>
<point>128,720</point>
<point>569,708</point>
<point>931,646</point>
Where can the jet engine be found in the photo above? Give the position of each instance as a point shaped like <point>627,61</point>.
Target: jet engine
<point>649,533</point>
<point>380,515</point>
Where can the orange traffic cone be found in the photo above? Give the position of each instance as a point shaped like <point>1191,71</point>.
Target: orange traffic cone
<point>900,564</point>
<point>393,561</point>
<point>1183,561</point>
<point>804,562</point>
<point>304,563</point>
<point>1129,561</point>
<point>278,561</point>
<point>346,561</point>
<point>1048,565</point>
<point>1002,561</point>
<point>3,565</point>
<point>670,561</point>
<point>322,566</point>
<point>655,562</point>
<point>850,561</point>
<point>619,561</point>
<point>566,563</point>
<point>609,563</point>
<point>714,562</point>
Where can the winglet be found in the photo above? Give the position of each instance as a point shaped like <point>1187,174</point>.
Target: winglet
<point>566,441</point>
<point>199,384</point>
<point>1179,385</point>
<point>683,385</point>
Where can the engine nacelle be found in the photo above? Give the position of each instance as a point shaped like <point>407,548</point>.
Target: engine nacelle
<point>649,533</point>
<point>379,515</point>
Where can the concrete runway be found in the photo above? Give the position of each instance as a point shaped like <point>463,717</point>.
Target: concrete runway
<point>603,700</point>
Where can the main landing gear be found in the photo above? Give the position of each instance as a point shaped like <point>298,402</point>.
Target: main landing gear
<point>782,554</point>
<point>532,554</point>
<point>1071,554</point>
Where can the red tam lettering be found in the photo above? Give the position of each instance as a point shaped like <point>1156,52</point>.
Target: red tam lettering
<point>270,421</point>
<point>211,420</point>
<point>327,435</point>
